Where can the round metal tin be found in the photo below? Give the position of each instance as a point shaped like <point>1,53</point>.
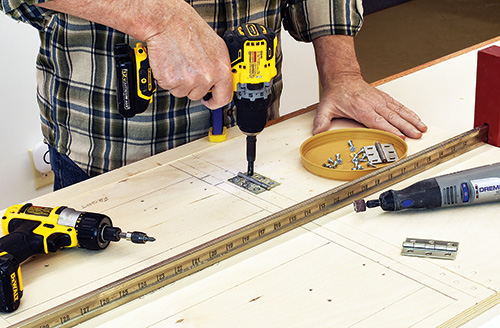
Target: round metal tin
<point>316,151</point>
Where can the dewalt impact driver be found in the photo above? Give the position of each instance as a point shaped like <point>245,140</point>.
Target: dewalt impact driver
<point>30,230</point>
<point>252,51</point>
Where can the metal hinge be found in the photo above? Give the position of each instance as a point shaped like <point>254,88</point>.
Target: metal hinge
<point>437,249</point>
<point>381,153</point>
<point>256,183</point>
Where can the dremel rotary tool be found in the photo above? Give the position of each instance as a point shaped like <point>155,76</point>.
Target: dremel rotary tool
<point>473,186</point>
<point>30,230</point>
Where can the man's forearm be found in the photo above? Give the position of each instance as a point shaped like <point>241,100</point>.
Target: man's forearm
<point>335,57</point>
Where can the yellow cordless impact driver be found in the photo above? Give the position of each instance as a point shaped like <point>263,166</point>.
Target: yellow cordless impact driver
<point>30,230</point>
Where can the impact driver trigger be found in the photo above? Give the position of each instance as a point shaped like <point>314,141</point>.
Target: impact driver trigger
<point>57,241</point>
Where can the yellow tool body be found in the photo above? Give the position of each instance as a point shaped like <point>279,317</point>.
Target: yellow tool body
<point>144,74</point>
<point>253,60</point>
<point>30,230</point>
<point>48,223</point>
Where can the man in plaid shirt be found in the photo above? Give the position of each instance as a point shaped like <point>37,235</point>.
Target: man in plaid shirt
<point>77,83</point>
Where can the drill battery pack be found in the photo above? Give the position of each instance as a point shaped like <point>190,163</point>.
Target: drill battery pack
<point>11,284</point>
<point>135,80</point>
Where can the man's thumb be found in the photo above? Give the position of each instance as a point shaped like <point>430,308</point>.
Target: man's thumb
<point>320,124</point>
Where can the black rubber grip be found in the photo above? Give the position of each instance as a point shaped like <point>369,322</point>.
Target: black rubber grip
<point>424,194</point>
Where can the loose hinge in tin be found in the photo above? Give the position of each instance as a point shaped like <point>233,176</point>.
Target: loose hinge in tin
<point>381,153</point>
<point>437,249</point>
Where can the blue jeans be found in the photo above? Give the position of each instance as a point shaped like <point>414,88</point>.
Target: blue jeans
<point>66,172</point>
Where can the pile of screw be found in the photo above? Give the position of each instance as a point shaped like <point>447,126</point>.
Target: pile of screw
<point>357,158</point>
<point>332,164</point>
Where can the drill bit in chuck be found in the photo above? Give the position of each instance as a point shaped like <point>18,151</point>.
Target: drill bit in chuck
<point>136,237</point>
<point>115,234</point>
<point>251,150</point>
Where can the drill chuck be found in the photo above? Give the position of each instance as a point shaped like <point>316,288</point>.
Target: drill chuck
<point>373,203</point>
<point>90,231</point>
<point>251,115</point>
<point>95,231</point>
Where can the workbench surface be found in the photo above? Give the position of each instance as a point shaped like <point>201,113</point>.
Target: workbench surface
<point>341,270</point>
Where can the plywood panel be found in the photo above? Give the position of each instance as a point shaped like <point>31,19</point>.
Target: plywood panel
<point>343,269</point>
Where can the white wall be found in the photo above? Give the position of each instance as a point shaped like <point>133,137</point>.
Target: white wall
<point>19,123</point>
<point>20,126</point>
<point>300,77</point>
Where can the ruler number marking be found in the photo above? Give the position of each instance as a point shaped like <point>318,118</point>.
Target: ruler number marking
<point>84,310</point>
<point>123,293</point>
<point>64,318</point>
<point>104,301</point>
<point>160,277</point>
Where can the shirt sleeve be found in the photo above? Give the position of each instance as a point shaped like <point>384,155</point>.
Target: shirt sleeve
<point>27,12</point>
<point>307,20</point>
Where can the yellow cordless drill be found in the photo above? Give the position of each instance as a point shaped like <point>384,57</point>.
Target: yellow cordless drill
<point>252,50</point>
<point>30,230</point>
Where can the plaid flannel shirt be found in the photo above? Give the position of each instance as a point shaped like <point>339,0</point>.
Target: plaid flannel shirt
<point>77,81</point>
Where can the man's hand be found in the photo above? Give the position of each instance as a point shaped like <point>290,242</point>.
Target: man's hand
<point>187,57</point>
<point>347,95</point>
<point>352,97</point>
